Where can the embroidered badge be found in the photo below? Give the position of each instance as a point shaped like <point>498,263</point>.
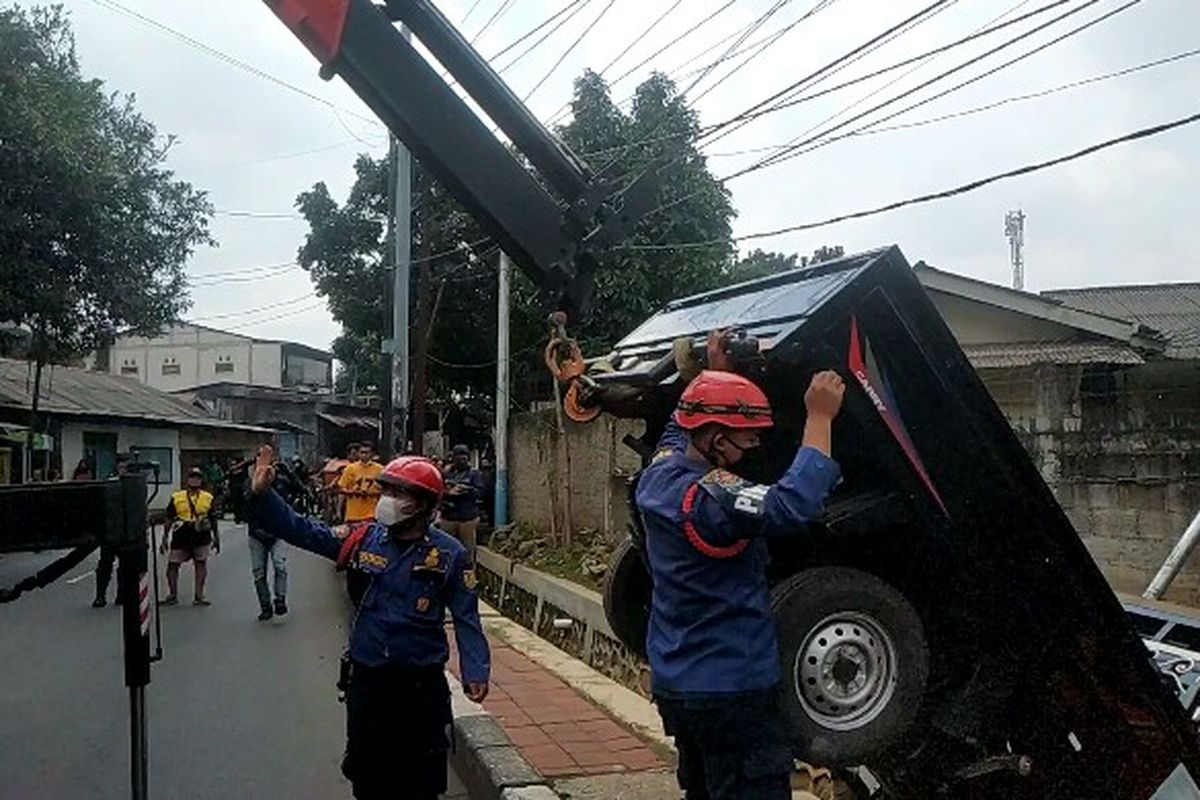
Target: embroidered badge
<point>366,559</point>
<point>422,605</point>
<point>470,579</point>
<point>432,559</point>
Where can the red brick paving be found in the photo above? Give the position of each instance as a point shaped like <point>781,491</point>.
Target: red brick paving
<point>558,731</point>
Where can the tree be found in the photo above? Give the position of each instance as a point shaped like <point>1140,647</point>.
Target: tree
<point>94,229</point>
<point>454,300</point>
<point>660,128</point>
<point>760,263</point>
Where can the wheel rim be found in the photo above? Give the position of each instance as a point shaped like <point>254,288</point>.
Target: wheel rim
<point>845,671</point>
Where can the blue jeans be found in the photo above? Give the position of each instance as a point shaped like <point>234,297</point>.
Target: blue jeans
<point>258,565</point>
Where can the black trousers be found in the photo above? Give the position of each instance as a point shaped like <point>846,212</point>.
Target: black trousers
<point>731,747</point>
<point>104,570</point>
<point>397,732</point>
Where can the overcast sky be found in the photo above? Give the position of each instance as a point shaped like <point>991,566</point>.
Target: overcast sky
<point>1122,216</point>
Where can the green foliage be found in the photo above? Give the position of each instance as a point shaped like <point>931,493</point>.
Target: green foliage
<point>345,250</point>
<point>760,263</point>
<point>94,230</point>
<point>660,128</point>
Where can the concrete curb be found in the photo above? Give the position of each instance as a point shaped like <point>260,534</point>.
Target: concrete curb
<point>489,764</point>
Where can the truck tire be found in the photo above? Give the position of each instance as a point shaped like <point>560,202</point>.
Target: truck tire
<point>627,597</point>
<point>855,664</point>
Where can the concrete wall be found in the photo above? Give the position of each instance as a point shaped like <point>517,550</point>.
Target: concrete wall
<point>600,467</point>
<point>1120,448</point>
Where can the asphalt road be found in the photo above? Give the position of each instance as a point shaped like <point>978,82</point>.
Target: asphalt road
<point>238,709</point>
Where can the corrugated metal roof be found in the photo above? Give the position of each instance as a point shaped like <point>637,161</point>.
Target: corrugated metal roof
<point>1170,308</point>
<point>1024,354</point>
<point>78,392</point>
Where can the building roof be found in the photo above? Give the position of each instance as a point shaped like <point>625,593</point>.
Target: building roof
<point>1025,354</point>
<point>76,392</point>
<point>1087,321</point>
<point>1170,308</point>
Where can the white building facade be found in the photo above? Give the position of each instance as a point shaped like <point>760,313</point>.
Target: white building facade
<point>187,356</point>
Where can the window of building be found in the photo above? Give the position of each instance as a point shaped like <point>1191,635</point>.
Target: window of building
<point>224,364</point>
<point>129,367</point>
<point>170,366</point>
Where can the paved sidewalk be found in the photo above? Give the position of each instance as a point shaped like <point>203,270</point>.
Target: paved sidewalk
<point>558,731</point>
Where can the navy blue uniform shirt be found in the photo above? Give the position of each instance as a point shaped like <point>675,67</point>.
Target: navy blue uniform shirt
<point>711,630</point>
<point>401,617</point>
<point>462,507</point>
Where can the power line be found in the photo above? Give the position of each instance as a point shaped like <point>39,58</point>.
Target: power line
<point>491,20</point>
<point>881,38</point>
<point>245,270</point>
<point>816,76</point>
<point>820,6</point>
<point>470,11</point>
<point>926,198</point>
<point>113,5</point>
<point>576,8</point>
<point>284,315</point>
<point>258,214</point>
<point>243,279</point>
<point>249,311</point>
<point>286,156</point>
<point>536,28</point>
<point>790,151</point>
<point>569,50</point>
<point>872,129</point>
<point>674,41</point>
<point>986,31</point>
<point>553,118</point>
<point>746,33</point>
<point>792,148</point>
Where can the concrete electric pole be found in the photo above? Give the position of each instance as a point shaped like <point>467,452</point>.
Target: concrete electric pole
<point>502,392</point>
<point>395,426</point>
<point>1014,229</point>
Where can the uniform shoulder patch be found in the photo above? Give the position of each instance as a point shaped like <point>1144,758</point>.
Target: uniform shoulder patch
<point>735,493</point>
<point>666,452</point>
<point>470,579</point>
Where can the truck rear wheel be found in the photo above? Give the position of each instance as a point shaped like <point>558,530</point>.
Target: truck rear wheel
<point>627,597</point>
<point>855,664</point>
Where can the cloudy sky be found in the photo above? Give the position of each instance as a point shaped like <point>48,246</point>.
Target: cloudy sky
<point>1122,216</point>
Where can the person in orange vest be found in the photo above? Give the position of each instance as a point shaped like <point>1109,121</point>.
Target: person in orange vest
<point>358,485</point>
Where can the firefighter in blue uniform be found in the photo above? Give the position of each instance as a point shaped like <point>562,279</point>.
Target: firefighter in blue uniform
<point>714,658</point>
<point>397,699</point>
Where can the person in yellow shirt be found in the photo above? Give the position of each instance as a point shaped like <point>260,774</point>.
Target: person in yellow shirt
<point>193,534</point>
<point>358,484</point>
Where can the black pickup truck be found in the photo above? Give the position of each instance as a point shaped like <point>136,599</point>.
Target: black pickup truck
<point>943,625</point>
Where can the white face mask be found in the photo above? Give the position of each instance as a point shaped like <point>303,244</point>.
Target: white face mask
<point>391,511</point>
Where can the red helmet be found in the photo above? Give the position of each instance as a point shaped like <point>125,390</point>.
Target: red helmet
<point>724,398</point>
<point>414,472</point>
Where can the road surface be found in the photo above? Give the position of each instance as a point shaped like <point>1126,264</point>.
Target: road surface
<point>237,708</point>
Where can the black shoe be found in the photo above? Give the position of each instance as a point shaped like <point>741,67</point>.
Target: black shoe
<point>265,615</point>
<point>280,606</point>
<point>99,602</point>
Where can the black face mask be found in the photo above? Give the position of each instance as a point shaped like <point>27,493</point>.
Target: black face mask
<point>754,466</point>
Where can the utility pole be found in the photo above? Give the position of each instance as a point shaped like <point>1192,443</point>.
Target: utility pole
<point>502,392</point>
<point>1014,229</point>
<point>401,280</point>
